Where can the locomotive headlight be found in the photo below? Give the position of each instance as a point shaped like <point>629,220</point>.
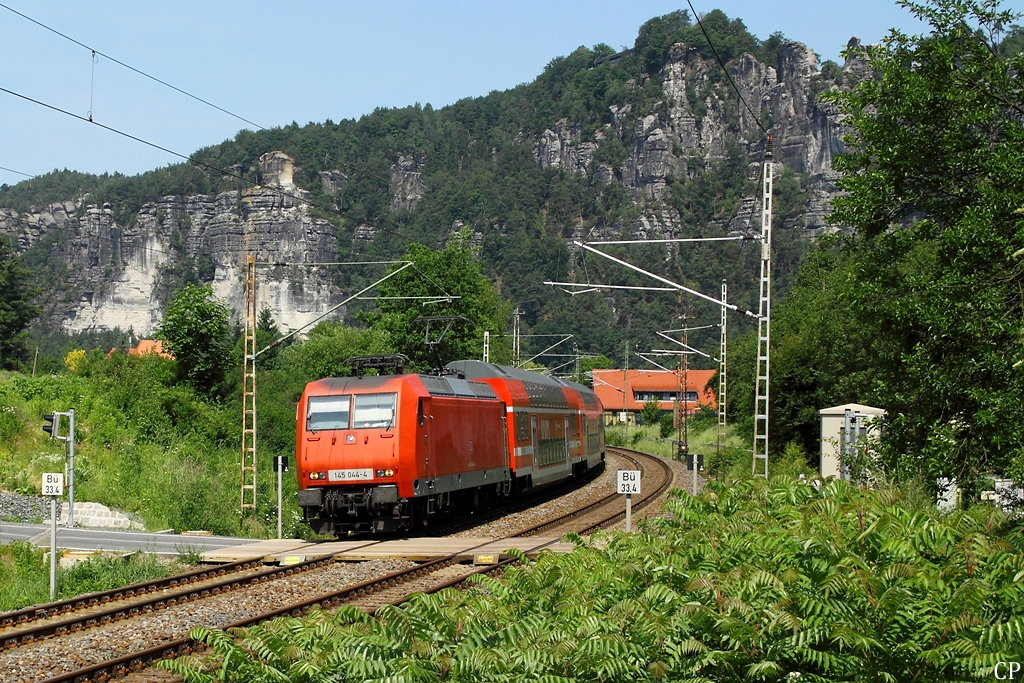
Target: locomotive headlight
<point>389,473</point>
<point>312,475</point>
<point>317,475</point>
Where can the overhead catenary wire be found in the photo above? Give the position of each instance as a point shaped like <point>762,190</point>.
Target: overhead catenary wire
<point>731,238</point>
<point>96,52</point>
<point>194,160</point>
<point>756,118</point>
<point>11,170</point>
<point>216,169</point>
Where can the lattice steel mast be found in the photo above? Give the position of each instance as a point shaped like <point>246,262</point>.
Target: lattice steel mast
<point>760,467</point>
<point>515,337</point>
<point>249,390</point>
<point>722,367</point>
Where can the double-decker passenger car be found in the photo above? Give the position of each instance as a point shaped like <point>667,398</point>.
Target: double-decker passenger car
<point>389,452</point>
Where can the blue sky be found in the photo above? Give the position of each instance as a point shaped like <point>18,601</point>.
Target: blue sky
<point>275,62</point>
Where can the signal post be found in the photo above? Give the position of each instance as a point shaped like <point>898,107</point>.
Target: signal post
<point>53,429</point>
<point>53,486</point>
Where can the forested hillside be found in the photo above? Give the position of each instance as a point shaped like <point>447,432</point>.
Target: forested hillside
<point>649,143</point>
<point>914,305</point>
<point>919,309</point>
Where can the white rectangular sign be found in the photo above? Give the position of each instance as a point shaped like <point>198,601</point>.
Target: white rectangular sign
<point>53,483</point>
<point>628,481</point>
<point>350,475</point>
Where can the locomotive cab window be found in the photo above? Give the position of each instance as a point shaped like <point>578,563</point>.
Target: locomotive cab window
<point>373,410</point>
<point>327,412</point>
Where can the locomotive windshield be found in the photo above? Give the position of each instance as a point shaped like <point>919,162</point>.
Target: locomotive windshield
<point>373,410</point>
<point>328,412</point>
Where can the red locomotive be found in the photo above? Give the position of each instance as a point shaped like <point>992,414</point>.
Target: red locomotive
<point>388,453</point>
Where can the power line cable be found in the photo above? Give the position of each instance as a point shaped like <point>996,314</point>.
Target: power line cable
<point>130,67</point>
<point>297,198</point>
<point>11,170</point>
<point>757,119</point>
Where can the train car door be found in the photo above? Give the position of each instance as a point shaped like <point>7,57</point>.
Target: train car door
<point>504,440</point>
<point>425,428</point>
<point>533,440</point>
<point>568,451</point>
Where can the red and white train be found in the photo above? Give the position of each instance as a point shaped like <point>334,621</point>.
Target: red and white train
<point>388,453</point>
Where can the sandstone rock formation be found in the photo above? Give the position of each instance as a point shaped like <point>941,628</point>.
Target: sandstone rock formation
<point>698,115</point>
<point>117,273</point>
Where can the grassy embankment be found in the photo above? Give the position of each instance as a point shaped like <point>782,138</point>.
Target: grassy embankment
<point>750,580</point>
<point>145,444</point>
<point>25,574</point>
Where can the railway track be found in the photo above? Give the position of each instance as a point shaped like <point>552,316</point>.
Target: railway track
<point>114,634</point>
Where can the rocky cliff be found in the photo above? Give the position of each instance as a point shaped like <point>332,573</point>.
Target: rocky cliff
<point>697,117</point>
<point>117,273</point>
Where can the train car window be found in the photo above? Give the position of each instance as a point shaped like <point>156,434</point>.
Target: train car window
<point>327,412</point>
<point>373,410</point>
<point>522,426</point>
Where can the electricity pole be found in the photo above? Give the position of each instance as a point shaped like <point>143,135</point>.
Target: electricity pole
<point>722,377</point>
<point>515,337</point>
<point>764,323</point>
<point>249,391</point>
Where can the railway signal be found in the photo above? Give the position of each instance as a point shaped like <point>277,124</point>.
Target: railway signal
<point>53,426</point>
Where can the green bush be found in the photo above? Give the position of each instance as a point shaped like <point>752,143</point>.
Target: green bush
<point>25,574</point>
<point>666,425</point>
<point>752,580</point>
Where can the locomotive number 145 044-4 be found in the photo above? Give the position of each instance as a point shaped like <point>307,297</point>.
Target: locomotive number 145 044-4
<point>350,475</point>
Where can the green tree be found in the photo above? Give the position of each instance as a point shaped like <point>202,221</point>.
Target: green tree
<point>16,308</point>
<point>657,35</point>
<point>453,271</point>
<point>324,352</point>
<point>267,332</point>
<point>666,425</point>
<point>920,311</point>
<point>195,329</point>
<point>650,412</point>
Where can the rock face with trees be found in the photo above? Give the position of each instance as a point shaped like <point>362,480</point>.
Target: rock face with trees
<point>105,268</point>
<point>596,145</point>
<point>919,309</point>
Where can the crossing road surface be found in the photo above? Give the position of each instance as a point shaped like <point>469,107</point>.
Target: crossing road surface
<point>120,541</point>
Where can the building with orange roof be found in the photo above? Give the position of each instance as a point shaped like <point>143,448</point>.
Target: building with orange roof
<point>148,346</point>
<point>624,393</point>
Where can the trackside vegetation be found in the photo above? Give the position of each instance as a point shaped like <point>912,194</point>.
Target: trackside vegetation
<point>918,309</point>
<point>25,576</point>
<point>750,581</point>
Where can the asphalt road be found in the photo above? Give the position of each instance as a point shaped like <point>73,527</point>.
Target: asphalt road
<point>119,541</point>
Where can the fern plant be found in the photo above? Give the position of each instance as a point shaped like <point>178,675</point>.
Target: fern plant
<point>750,581</point>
